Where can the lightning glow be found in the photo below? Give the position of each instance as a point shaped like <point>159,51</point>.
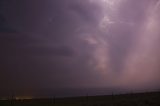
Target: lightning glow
<point>99,56</point>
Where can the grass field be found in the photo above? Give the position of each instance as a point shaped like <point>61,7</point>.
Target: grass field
<point>137,99</point>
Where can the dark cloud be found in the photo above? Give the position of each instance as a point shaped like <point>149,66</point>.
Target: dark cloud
<point>51,51</point>
<point>20,44</point>
<point>3,25</point>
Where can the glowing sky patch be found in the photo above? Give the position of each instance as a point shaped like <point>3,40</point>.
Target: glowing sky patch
<point>141,60</point>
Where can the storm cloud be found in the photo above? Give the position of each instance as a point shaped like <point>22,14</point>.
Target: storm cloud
<point>79,44</point>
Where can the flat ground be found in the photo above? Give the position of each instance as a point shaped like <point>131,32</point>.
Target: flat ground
<point>137,99</point>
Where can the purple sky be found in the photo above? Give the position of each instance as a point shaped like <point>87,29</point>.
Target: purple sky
<point>79,44</point>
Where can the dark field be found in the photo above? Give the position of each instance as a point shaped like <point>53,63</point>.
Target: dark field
<point>137,99</point>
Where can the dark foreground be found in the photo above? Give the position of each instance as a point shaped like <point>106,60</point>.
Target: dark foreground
<point>139,99</point>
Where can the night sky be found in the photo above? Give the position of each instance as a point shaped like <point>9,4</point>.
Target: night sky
<point>48,45</point>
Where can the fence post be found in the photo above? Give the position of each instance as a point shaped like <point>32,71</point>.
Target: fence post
<point>112,95</point>
<point>12,99</point>
<point>87,99</point>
